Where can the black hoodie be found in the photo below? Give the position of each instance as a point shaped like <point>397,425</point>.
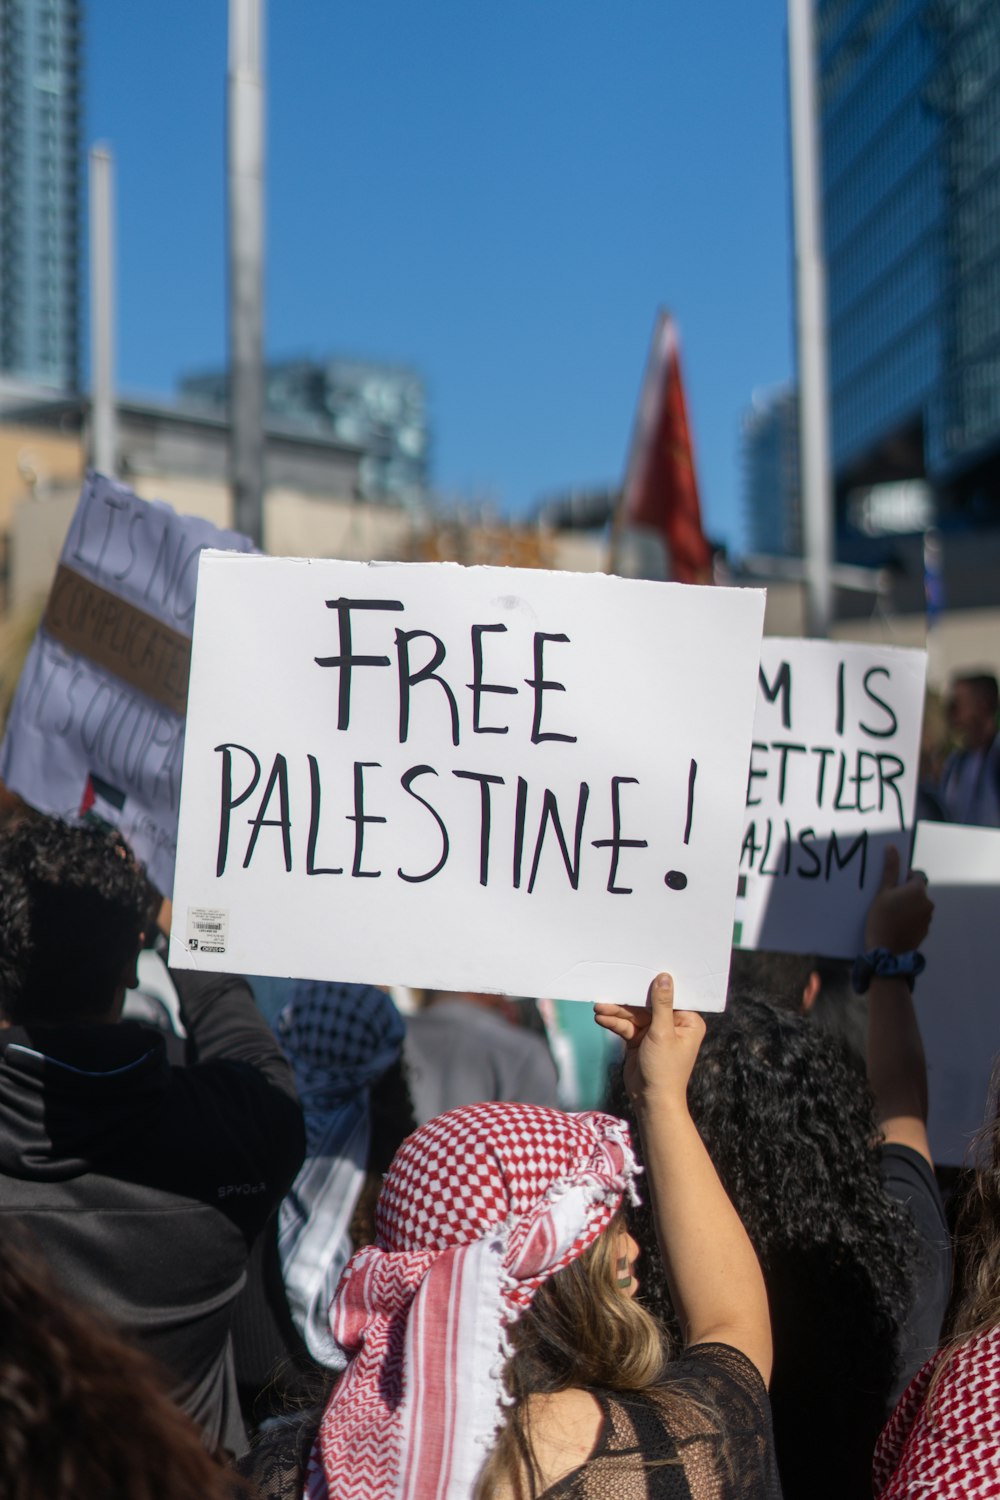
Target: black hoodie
<point>144,1184</point>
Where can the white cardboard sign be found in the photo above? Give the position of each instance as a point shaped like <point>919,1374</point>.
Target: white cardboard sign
<point>464,778</point>
<point>956,996</point>
<point>833,778</point>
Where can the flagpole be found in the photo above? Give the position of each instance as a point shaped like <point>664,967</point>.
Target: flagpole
<point>810,285</point>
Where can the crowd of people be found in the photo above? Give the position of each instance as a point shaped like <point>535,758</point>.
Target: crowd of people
<point>310,1245</point>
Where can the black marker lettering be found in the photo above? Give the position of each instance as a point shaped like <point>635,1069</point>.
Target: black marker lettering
<point>755,775</point>
<point>859,779</point>
<point>833,855</point>
<point>890,769</point>
<point>824,755</point>
<point>485,782</point>
<point>692,776</point>
<point>550,810</point>
<point>839,804</point>
<point>807,841</point>
<point>616,843</point>
<point>346,660</point>
<point>539,685</point>
<point>425,674</point>
<point>406,782</point>
<point>785,749</point>
<point>750,845</point>
<point>360,818</point>
<point>782,685</point>
<point>279,778</point>
<point>879,734</point>
<point>478,687</point>
<point>520,810</point>
<point>315,800</point>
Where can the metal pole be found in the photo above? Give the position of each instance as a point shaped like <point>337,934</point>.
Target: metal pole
<point>103,434</point>
<point>246,260</point>
<point>810,287</point>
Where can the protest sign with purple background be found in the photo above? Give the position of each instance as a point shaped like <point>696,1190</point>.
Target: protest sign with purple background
<point>97,725</point>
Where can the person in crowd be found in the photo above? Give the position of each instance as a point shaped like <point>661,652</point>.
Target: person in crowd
<point>495,1346</point>
<point>807,984</point>
<point>469,1048</point>
<point>83,1415</point>
<point>345,1043</point>
<point>852,1237</point>
<point>970,782</point>
<point>144,1183</point>
<point>944,1437</point>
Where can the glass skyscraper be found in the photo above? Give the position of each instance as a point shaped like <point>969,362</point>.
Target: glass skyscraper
<point>910,132</point>
<point>40,172</point>
<point>771,495</point>
<point>379,408</point>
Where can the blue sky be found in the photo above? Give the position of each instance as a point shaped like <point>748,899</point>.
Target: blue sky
<point>500,195</point>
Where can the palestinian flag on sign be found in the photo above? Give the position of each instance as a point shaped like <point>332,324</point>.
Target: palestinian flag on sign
<point>101,802</point>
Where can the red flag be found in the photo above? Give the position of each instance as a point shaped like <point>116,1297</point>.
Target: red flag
<point>661,490</point>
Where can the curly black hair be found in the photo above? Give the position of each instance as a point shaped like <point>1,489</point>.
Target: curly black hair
<point>788,1120</point>
<point>73,905</point>
<point>83,1415</point>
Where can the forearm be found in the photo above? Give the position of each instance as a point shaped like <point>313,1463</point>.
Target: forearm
<point>712,1270</point>
<point>223,1023</point>
<point>897,1068</point>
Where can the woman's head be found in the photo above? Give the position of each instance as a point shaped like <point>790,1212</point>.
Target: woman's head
<point>547,1182</point>
<point>482,1210</point>
<point>585,1326</point>
<point>976,1301</point>
<point>789,1123</point>
<point>82,1414</point>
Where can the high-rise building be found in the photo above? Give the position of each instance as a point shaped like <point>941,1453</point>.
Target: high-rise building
<point>380,408</point>
<point>40,183</point>
<point>910,141</point>
<point>772,509</point>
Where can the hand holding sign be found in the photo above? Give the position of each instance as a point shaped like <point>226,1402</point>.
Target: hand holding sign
<point>661,1044</point>
<point>899,918</point>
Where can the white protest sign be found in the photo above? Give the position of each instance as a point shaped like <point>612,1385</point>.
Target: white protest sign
<point>464,778</point>
<point>97,724</point>
<point>956,995</point>
<point>833,777</point>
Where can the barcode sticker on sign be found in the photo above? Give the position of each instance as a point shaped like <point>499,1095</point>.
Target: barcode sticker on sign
<point>207,929</point>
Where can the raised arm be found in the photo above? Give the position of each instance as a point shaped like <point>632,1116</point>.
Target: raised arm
<point>897,923</point>
<point>714,1277</point>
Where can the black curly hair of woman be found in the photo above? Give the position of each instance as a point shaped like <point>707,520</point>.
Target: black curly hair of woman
<point>73,905</point>
<point>84,1416</point>
<point>789,1122</point>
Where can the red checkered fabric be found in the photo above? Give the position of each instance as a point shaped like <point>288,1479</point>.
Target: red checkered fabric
<point>946,1443</point>
<point>479,1208</point>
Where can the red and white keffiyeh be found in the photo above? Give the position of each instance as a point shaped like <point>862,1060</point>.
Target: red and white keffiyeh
<point>478,1209</point>
<point>947,1444</point>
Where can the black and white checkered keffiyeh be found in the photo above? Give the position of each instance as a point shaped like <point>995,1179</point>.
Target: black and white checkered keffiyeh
<point>340,1038</point>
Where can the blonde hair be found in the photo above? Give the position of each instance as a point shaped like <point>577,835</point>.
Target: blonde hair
<point>975,1306</point>
<point>580,1331</point>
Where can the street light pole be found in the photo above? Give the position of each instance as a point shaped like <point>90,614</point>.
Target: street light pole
<point>810,287</point>
<point>245,170</point>
<point>103,435</point>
